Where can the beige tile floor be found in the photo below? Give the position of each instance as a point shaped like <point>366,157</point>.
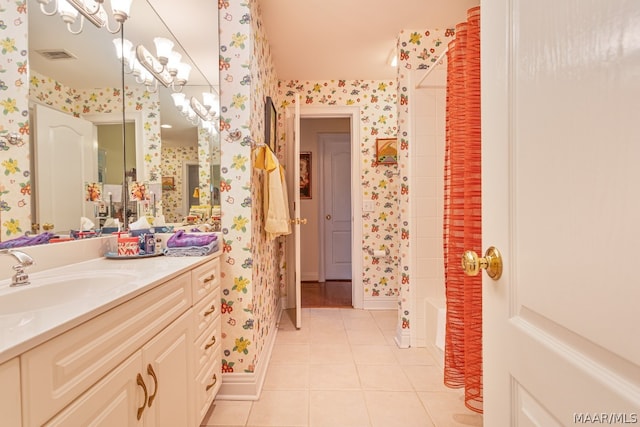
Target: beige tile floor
<point>344,369</point>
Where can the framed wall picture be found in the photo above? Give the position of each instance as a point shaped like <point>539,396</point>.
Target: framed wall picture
<point>387,151</point>
<point>168,183</point>
<point>305,175</point>
<point>270,124</point>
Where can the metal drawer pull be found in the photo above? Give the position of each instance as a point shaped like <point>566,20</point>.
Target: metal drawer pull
<point>215,380</point>
<point>140,382</point>
<point>151,372</point>
<point>210,278</point>
<point>211,310</point>
<point>213,342</point>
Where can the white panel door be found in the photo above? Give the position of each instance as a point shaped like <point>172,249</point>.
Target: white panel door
<point>293,189</point>
<point>65,157</point>
<point>336,177</point>
<point>561,146</point>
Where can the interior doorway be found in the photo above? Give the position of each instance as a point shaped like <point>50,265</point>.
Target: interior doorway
<point>326,204</point>
<point>191,186</point>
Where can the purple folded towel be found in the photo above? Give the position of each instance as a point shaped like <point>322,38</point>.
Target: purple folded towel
<point>181,239</point>
<point>22,241</point>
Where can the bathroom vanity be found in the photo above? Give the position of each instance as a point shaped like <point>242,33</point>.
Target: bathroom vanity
<point>142,346</point>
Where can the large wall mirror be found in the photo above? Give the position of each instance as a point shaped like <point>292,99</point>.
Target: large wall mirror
<point>80,77</point>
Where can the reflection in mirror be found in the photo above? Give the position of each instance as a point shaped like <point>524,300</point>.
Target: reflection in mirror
<point>79,75</point>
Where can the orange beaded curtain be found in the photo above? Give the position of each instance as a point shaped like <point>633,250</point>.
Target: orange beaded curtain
<point>462,212</point>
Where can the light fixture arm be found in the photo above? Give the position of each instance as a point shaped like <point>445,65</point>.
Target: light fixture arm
<point>44,3</point>
<point>69,22</point>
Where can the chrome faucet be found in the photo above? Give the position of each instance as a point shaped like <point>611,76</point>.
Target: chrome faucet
<point>20,278</point>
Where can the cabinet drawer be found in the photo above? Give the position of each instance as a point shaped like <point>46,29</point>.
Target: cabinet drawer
<point>58,371</point>
<point>208,383</point>
<point>205,279</point>
<point>207,311</point>
<point>208,347</point>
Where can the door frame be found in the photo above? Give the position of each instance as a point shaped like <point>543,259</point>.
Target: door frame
<point>353,113</point>
<point>186,207</point>
<point>322,136</point>
<point>116,118</point>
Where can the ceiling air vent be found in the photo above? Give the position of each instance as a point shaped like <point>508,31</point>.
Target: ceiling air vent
<point>56,54</point>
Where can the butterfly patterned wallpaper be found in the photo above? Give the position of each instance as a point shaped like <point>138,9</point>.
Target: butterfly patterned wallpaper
<point>251,266</point>
<point>15,173</point>
<point>417,50</point>
<point>173,159</point>
<point>379,183</point>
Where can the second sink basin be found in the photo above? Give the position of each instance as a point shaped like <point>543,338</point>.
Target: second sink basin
<point>45,292</point>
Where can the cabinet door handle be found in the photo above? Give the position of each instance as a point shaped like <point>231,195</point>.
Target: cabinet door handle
<point>215,380</point>
<point>151,372</point>
<point>210,278</point>
<point>140,382</point>
<point>213,342</point>
<point>211,310</point>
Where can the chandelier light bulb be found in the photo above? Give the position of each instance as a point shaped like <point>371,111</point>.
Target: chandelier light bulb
<point>178,100</point>
<point>163,49</point>
<point>121,9</point>
<point>184,70</point>
<point>174,63</point>
<point>68,13</point>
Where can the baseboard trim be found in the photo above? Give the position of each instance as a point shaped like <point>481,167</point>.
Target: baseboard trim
<point>248,386</point>
<point>403,337</point>
<point>309,277</point>
<point>381,304</point>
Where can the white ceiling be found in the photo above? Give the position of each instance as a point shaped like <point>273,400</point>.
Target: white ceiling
<point>348,39</point>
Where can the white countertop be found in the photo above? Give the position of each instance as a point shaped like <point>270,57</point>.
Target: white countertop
<point>21,330</point>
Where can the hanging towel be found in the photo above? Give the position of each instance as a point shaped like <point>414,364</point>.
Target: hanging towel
<point>274,199</point>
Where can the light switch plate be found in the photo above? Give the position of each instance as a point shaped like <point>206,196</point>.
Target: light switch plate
<point>368,205</point>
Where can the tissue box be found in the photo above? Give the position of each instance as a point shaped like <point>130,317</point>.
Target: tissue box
<point>128,246</point>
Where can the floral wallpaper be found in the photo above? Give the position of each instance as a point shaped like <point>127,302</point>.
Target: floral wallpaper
<point>380,183</point>
<point>250,269</point>
<point>15,183</point>
<point>418,50</point>
<point>173,159</point>
<point>205,145</point>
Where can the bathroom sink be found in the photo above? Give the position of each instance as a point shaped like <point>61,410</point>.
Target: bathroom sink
<point>74,288</point>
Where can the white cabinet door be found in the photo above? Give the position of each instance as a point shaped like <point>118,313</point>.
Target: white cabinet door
<point>169,374</point>
<point>10,393</point>
<point>114,401</point>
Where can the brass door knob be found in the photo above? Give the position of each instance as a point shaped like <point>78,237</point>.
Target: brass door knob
<point>47,226</point>
<point>328,217</point>
<point>303,220</point>
<point>492,263</point>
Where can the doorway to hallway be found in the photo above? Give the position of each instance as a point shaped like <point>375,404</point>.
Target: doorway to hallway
<point>327,294</point>
<point>326,238</point>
